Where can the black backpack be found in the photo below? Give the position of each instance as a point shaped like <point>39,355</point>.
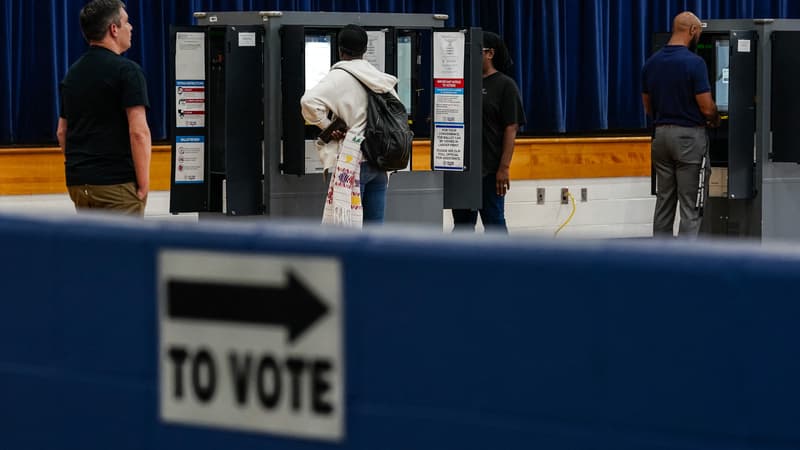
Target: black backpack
<point>387,137</point>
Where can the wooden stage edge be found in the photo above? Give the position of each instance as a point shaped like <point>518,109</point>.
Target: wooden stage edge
<point>33,171</point>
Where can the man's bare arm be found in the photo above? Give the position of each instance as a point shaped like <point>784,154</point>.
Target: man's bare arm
<point>648,106</point>
<point>503,178</point>
<point>708,108</point>
<point>141,148</point>
<point>61,134</point>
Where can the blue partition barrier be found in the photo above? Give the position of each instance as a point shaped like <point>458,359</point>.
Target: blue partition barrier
<point>448,342</point>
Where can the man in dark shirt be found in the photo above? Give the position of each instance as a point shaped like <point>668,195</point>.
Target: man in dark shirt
<point>677,96</point>
<point>502,116</point>
<point>103,129</point>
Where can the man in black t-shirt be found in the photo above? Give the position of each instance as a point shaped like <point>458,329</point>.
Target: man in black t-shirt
<point>103,129</point>
<point>502,116</point>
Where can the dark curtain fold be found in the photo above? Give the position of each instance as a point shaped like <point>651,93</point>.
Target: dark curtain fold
<point>577,62</point>
<point>6,44</point>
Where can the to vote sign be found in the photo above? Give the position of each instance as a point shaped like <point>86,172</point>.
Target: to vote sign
<point>252,342</point>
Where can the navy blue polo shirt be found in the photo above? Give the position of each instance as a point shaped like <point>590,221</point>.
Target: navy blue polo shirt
<point>673,77</point>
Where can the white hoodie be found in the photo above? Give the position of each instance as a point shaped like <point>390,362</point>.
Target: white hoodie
<point>341,94</point>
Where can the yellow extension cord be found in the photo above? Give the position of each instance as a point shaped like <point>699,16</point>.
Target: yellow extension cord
<point>571,215</point>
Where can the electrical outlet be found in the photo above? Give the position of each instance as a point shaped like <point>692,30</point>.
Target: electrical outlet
<point>584,195</point>
<point>565,196</point>
<point>540,196</point>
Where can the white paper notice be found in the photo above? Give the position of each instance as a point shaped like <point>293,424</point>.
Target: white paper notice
<point>313,163</point>
<point>744,46</point>
<point>189,159</point>
<point>448,55</point>
<point>190,104</point>
<point>449,146</point>
<point>247,39</point>
<point>190,54</point>
<point>376,49</point>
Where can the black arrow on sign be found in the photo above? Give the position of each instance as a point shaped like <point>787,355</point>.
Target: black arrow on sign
<point>292,306</point>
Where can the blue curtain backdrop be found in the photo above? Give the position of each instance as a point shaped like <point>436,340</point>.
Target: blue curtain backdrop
<point>577,61</point>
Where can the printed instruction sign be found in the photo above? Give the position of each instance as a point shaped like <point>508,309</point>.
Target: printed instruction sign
<point>247,39</point>
<point>449,145</point>
<point>448,101</point>
<point>190,104</point>
<point>190,56</point>
<point>190,75</point>
<point>313,163</point>
<point>448,54</point>
<point>252,343</point>
<point>189,159</point>
<point>744,46</point>
<point>376,49</point>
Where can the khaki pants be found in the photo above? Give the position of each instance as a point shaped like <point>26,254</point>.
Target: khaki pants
<point>116,197</point>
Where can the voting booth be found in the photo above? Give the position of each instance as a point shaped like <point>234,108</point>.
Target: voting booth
<point>241,146</point>
<point>755,179</point>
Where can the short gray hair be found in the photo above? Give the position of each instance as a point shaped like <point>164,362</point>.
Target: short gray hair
<point>97,15</point>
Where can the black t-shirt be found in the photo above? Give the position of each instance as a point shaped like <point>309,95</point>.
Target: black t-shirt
<point>502,107</point>
<point>94,96</point>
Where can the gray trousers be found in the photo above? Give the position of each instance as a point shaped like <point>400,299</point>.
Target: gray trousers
<point>682,166</point>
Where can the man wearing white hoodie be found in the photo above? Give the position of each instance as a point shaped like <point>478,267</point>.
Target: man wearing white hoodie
<point>341,95</point>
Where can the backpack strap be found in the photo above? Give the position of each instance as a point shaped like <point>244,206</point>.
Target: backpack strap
<point>357,79</point>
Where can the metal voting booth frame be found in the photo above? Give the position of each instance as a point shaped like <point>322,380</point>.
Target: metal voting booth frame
<point>755,186</point>
<point>248,151</point>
